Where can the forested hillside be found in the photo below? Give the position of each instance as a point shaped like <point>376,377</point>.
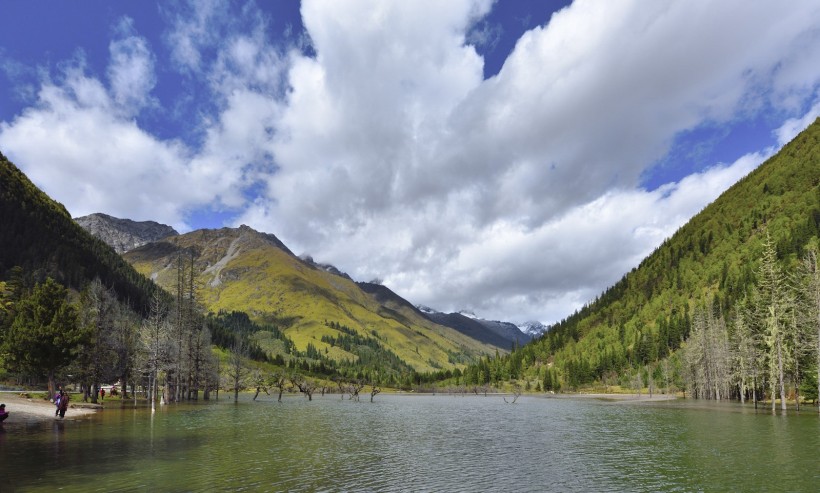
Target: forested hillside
<point>711,269</point>
<point>40,239</point>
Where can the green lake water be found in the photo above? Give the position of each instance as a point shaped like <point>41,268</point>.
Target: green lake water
<point>418,443</point>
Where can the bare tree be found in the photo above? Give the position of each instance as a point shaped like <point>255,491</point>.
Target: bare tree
<point>236,368</point>
<point>126,328</point>
<point>98,358</point>
<point>708,362</point>
<point>280,381</point>
<point>373,391</point>
<point>773,306</point>
<point>305,385</point>
<point>637,382</point>
<point>353,388</point>
<point>747,357</point>
<point>342,385</point>
<point>154,339</point>
<point>260,382</point>
<point>516,393</point>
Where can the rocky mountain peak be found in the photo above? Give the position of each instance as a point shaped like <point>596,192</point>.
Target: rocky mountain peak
<point>124,234</point>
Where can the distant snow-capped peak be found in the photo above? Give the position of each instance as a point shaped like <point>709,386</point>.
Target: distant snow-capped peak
<point>533,328</point>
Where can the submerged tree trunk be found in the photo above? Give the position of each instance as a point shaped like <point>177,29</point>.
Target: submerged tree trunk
<point>780,376</point>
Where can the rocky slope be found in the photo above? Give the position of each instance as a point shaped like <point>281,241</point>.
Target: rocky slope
<point>124,234</point>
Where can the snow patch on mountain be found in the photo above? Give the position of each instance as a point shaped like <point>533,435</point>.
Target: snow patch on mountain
<point>533,328</point>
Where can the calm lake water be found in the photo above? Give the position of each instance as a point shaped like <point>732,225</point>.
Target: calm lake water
<point>418,443</point>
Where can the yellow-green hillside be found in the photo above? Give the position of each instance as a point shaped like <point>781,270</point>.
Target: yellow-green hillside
<point>242,269</point>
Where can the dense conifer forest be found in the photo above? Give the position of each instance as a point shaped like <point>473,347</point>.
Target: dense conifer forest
<point>702,300</point>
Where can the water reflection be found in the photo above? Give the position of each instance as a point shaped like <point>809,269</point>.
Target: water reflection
<point>411,443</point>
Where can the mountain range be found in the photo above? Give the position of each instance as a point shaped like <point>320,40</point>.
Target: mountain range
<point>240,269</point>
<point>126,235</point>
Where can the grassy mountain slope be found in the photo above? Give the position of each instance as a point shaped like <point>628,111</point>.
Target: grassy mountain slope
<point>38,235</point>
<point>241,269</point>
<point>711,259</point>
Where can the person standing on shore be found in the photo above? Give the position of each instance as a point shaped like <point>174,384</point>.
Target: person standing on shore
<point>63,403</point>
<point>57,397</point>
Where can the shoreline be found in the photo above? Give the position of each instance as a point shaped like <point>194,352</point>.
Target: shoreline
<point>644,397</point>
<point>28,410</point>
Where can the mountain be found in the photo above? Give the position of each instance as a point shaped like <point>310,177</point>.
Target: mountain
<point>500,334</point>
<point>509,331</point>
<point>712,261</point>
<point>124,234</point>
<point>242,269</point>
<point>533,328</point>
<point>469,327</point>
<point>39,236</point>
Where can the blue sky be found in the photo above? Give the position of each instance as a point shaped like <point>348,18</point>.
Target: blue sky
<point>509,158</point>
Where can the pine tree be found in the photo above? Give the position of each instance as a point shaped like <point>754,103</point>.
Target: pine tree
<point>45,333</point>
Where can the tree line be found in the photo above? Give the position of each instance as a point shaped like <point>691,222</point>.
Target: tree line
<point>766,346</point>
<point>93,337</point>
<point>770,347</point>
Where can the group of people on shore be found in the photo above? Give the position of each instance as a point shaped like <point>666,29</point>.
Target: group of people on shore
<point>61,401</point>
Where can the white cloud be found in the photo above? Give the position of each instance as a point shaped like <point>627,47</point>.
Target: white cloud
<point>81,144</point>
<point>794,126</point>
<point>131,70</point>
<point>194,28</point>
<point>75,147</point>
<point>398,161</point>
<point>389,155</point>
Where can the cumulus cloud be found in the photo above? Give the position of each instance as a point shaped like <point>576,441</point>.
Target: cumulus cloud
<point>398,161</point>
<point>87,156</point>
<point>80,142</point>
<point>383,150</point>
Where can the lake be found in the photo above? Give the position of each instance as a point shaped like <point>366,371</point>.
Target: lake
<point>418,443</point>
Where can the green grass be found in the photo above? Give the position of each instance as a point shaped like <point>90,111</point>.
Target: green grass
<point>269,283</point>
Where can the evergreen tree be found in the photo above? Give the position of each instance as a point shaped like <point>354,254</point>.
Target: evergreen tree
<point>45,334</point>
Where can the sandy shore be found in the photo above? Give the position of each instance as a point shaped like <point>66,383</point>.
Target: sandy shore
<point>28,410</point>
<point>644,397</point>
